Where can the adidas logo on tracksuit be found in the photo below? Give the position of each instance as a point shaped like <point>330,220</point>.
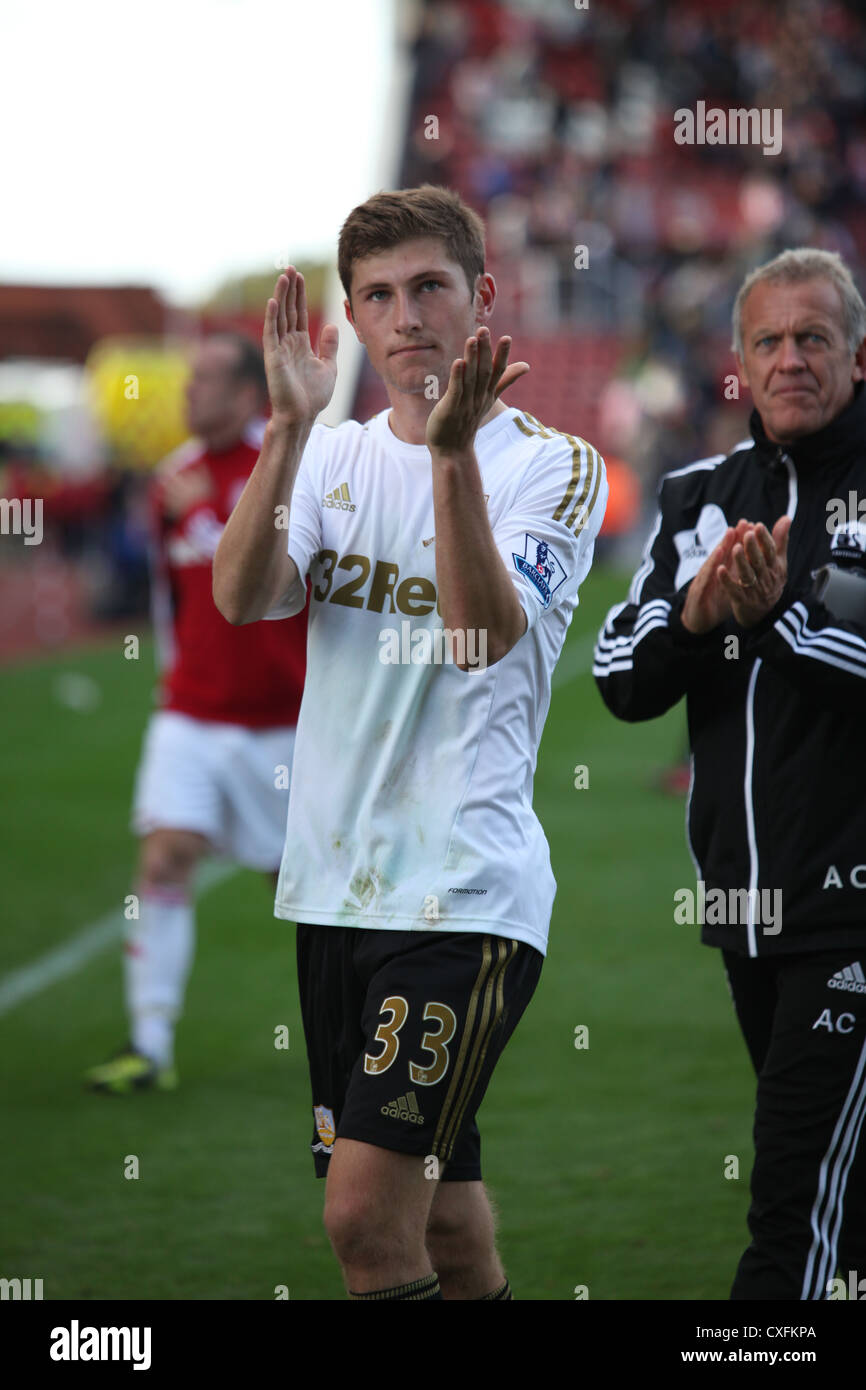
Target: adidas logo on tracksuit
<point>339,498</point>
<point>405,1108</point>
<point>851,978</point>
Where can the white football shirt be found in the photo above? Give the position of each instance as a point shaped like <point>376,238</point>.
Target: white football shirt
<point>411,794</point>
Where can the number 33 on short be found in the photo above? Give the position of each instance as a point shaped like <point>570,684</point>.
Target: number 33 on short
<point>434,1041</point>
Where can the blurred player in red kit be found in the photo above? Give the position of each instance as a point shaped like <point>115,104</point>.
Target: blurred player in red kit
<point>213,776</point>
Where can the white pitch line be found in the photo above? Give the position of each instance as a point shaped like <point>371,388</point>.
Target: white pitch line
<point>65,960</point>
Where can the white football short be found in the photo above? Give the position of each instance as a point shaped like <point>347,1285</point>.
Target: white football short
<point>226,782</point>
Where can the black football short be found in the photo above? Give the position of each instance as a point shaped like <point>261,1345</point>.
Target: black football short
<point>403,1031</point>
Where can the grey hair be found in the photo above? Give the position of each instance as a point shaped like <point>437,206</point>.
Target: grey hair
<point>805,263</point>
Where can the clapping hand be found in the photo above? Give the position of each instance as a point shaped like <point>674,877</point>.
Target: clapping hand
<point>476,382</point>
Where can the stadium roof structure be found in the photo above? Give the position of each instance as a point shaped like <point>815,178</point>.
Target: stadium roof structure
<point>63,321</point>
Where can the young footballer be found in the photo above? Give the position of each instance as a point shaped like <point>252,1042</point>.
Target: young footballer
<point>445,541</point>
<point>229,702</point>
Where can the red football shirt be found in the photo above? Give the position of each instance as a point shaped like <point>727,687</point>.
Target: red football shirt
<point>251,675</point>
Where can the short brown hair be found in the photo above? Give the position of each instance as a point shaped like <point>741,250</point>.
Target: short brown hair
<point>388,219</point>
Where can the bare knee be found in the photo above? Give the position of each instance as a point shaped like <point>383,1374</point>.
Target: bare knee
<point>168,857</point>
<point>366,1236</point>
<point>376,1208</point>
<point>460,1234</point>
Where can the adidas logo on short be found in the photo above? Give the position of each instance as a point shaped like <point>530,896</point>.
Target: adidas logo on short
<point>851,978</point>
<point>339,498</point>
<point>404,1108</point>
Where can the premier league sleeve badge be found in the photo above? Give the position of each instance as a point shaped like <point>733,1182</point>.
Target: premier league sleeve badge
<point>541,567</point>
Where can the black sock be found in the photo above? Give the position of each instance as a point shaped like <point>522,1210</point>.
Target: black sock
<point>501,1293</point>
<point>425,1288</point>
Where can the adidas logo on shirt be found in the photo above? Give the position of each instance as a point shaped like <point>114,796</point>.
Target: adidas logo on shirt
<point>339,498</point>
<point>406,1108</point>
<point>851,978</point>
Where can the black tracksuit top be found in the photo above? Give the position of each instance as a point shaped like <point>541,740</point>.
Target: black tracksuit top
<point>778,732</point>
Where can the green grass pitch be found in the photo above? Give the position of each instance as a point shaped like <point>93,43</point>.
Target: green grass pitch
<point>607,1162</point>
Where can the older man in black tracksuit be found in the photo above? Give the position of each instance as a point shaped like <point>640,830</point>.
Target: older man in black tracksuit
<point>751,602</point>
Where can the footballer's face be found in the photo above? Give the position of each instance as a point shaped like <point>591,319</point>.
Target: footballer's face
<point>796,359</point>
<point>412,309</point>
<point>216,400</point>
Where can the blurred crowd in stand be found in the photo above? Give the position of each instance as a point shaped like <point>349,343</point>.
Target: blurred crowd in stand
<point>557,124</point>
<point>94,527</point>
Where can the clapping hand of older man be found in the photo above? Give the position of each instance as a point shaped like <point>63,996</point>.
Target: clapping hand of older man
<point>743,577</point>
<point>755,576</point>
